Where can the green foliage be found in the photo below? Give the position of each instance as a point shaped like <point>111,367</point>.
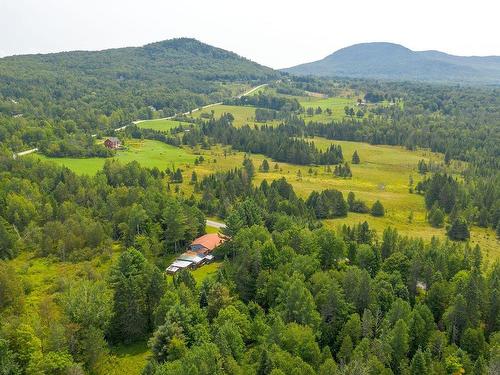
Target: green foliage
<point>355,157</point>
<point>377,209</point>
<point>136,295</point>
<point>436,216</point>
<point>8,240</point>
<point>459,230</point>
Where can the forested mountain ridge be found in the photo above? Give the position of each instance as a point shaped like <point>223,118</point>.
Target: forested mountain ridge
<point>395,62</point>
<point>173,75</point>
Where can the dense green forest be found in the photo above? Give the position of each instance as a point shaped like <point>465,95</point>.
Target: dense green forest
<point>289,294</point>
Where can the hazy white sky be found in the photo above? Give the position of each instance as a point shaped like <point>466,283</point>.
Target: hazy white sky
<point>274,33</point>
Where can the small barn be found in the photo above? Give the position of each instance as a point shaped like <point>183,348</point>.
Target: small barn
<point>112,143</point>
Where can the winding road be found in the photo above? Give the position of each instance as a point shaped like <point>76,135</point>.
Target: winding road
<point>22,153</point>
<point>199,108</point>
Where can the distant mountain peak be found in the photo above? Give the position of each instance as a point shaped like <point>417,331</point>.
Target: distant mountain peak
<point>391,61</point>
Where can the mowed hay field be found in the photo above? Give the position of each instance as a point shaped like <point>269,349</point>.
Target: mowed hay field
<point>161,124</point>
<point>148,153</point>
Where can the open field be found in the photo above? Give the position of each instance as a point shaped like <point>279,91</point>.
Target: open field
<point>246,114</point>
<point>243,115</point>
<point>161,124</point>
<point>147,152</point>
<point>336,104</point>
<point>383,174</point>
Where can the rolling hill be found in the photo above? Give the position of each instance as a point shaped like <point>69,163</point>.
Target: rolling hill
<point>395,62</point>
<point>172,75</point>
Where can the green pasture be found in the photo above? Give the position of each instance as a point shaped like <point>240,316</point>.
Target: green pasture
<point>383,174</point>
<point>243,115</point>
<point>161,124</point>
<point>336,104</point>
<point>147,152</point>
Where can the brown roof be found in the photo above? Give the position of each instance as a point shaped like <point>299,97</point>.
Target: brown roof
<point>209,241</point>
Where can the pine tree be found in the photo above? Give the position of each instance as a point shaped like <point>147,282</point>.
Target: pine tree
<point>378,209</point>
<point>419,364</point>
<point>447,158</point>
<point>459,230</point>
<point>355,157</point>
<point>177,176</point>
<point>350,200</point>
<point>249,168</point>
<point>436,216</point>
<point>264,166</point>
<point>194,178</point>
<point>399,341</point>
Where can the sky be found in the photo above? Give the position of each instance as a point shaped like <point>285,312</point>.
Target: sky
<point>274,33</point>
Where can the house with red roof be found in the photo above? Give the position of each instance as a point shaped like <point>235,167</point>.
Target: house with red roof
<point>206,243</point>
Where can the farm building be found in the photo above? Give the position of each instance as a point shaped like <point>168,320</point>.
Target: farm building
<point>113,143</point>
<point>178,265</point>
<point>198,253</point>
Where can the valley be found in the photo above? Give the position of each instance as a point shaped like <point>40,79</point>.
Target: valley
<point>356,219</point>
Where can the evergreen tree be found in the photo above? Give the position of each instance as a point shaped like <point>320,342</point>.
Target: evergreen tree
<point>264,166</point>
<point>249,168</point>
<point>436,216</point>
<point>378,209</point>
<point>134,299</point>
<point>355,158</point>
<point>194,178</point>
<point>419,364</point>
<point>447,158</point>
<point>177,176</point>
<point>350,200</point>
<point>399,342</point>
<point>174,223</point>
<point>459,230</point>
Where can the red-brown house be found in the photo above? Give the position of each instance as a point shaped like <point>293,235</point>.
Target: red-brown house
<point>113,143</point>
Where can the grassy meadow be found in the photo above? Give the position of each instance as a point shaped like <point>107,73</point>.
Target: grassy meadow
<point>242,115</point>
<point>336,104</point>
<point>148,153</point>
<point>161,124</point>
<point>383,174</point>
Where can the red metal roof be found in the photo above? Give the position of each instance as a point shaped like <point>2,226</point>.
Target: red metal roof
<point>209,241</point>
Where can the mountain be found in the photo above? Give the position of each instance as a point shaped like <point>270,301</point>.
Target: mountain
<point>395,62</point>
<point>172,75</point>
